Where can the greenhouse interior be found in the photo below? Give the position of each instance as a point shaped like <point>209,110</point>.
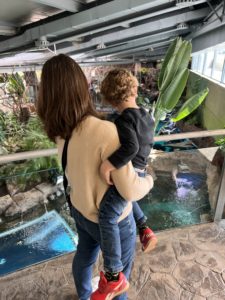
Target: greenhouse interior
<point>176,51</point>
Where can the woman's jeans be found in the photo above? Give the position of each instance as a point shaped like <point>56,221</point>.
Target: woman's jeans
<point>88,248</point>
<point>111,208</point>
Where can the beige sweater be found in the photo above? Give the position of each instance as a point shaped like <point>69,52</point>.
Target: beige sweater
<point>88,147</point>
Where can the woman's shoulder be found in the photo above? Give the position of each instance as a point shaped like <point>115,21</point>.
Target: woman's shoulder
<point>103,125</point>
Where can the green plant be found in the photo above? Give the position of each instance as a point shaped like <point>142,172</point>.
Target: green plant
<point>221,143</point>
<point>15,88</point>
<point>17,137</point>
<point>172,82</point>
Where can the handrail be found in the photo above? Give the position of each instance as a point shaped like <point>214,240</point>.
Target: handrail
<point>161,138</point>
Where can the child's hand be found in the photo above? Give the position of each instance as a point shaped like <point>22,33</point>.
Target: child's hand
<point>105,171</point>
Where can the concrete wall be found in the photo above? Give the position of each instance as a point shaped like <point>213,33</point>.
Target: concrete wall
<point>212,111</point>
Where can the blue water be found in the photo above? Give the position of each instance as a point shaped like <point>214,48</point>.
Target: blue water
<point>34,242</point>
<point>171,204</point>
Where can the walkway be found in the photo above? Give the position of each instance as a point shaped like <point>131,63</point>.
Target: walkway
<point>188,264</point>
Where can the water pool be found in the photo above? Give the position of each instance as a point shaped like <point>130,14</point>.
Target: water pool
<point>175,204</point>
<point>36,241</point>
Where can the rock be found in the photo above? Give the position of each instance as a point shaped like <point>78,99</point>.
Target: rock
<point>5,202</point>
<point>218,159</point>
<point>213,261</point>
<point>12,187</point>
<point>219,296</point>
<point>46,189</point>
<point>188,296</point>
<point>14,211</point>
<point>139,275</point>
<point>29,200</point>
<point>161,286</point>
<point>183,250</point>
<point>198,279</point>
<point>162,258</point>
<point>213,183</point>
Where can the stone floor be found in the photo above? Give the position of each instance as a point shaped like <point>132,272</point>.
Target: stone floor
<point>188,264</point>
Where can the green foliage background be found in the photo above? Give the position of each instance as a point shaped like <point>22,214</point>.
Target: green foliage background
<point>18,137</point>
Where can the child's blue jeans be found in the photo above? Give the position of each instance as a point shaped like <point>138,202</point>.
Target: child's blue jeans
<point>88,248</point>
<point>111,208</point>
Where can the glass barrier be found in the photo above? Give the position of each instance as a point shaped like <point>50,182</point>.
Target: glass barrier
<point>28,190</point>
<point>186,185</point>
<point>185,192</point>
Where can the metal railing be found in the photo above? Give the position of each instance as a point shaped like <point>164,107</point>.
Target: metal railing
<point>161,138</point>
<point>170,137</point>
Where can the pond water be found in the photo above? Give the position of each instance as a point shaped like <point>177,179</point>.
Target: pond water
<point>36,241</point>
<point>175,204</point>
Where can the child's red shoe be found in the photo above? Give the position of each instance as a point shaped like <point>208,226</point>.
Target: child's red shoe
<point>148,239</point>
<point>107,290</point>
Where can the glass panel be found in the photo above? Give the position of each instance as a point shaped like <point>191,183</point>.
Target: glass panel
<point>194,62</point>
<point>35,223</point>
<point>218,64</point>
<point>201,58</point>
<point>208,63</point>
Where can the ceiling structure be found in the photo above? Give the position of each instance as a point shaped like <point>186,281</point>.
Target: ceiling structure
<point>98,32</point>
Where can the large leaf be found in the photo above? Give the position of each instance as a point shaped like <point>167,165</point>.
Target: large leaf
<point>174,65</point>
<point>186,57</point>
<point>174,91</point>
<point>169,53</point>
<point>190,105</point>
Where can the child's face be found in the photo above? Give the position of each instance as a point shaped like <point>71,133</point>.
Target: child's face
<point>135,91</point>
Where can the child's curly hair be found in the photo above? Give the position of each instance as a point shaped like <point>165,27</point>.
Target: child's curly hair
<point>118,86</point>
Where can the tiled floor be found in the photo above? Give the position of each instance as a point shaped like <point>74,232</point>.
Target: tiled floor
<point>188,264</point>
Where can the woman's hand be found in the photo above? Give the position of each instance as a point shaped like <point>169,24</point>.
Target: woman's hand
<point>105,171</point>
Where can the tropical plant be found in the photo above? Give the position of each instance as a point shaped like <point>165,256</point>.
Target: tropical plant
<point>172,82</point>
<point>17,137</point>
<point>15,89</point>
<point>221,143</point>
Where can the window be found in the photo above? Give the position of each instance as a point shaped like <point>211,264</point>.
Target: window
<point>201,60</point>
<point>218,64</point>
<point>208,63</point>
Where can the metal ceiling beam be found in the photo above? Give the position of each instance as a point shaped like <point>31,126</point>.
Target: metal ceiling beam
<point>7,30</point>
<point>106,62</point>
<point>137,43</point>
<point>134,32</point>
<point>212,24</point>
<point>68,5</point>
<point>214,11</point>
<point>133,51</point>
<point>91,17</point>
<point>126,23</point>
<point>148,55</point>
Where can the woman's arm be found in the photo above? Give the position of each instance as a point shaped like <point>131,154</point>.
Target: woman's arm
<point>130,186</point>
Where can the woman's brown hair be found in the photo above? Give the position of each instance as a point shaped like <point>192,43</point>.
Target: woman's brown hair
<point>64,100</point>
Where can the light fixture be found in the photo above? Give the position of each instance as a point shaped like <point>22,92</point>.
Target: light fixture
<point>182,25</point>
<point>101,46</point>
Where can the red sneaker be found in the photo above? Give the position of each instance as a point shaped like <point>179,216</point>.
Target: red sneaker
<point>107,290</point>
<point>148,239</point>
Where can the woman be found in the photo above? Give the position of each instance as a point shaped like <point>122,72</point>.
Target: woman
<point>65,108</point>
